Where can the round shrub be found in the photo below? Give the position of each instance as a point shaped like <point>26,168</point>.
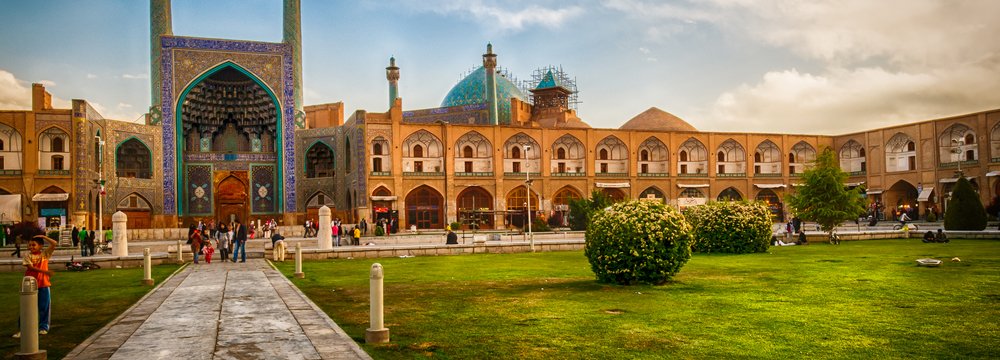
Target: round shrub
<point>734,227</point>
<point>965,210</point>
<point>637,242</point>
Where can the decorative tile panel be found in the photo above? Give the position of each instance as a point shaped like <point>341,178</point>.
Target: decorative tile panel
<point>262,198</point>
<point>198,189</point>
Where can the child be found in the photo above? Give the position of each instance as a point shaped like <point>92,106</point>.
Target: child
<point>208,250</point>
<point>37,263</point>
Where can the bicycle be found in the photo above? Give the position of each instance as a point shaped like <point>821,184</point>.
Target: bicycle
<point>834,239</point>
<point>72,265</point>
<point>911,227</point>
<point>103,248</point>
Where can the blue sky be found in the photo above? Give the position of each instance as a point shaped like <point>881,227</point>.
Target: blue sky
<point>722,65</point>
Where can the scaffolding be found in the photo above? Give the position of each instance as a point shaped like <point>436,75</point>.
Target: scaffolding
<point>561,78</point>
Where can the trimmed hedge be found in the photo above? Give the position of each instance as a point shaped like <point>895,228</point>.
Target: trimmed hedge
<point>637,242</point>
<point>965,210</point>
<point>735,227</point>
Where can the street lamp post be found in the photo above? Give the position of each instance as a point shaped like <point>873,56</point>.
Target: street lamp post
<point>100,187</point>
<point>527,186</point>
<point>958,150</point>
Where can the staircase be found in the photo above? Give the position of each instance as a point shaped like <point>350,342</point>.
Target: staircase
<point>65,239</point>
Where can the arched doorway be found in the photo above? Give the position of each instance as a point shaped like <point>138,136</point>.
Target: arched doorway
<point>231,196</point>
<point>137,209</point>
<point>901,198</point>
<point>424,207</point>
<point>653,193</point>
<point>560,204</point>
<point>475,208</point>
<point>517,199</point>
<point>773,204</point>
<point>616,195</point>
<point>317,201</point>
<point>730,194</point>
<point>228,115</point>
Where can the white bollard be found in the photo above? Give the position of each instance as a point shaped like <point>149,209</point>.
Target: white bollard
<point>180,253</point>
<point>324,237</point>
<point>119,234</point>
<point>377,332</point>
<point>298,262</point>
<point>29,320</point>
<point>147,268</point>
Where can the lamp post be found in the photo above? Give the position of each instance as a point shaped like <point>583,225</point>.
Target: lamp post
<point>958,150</point>
<point>527,187</point>
<point>100,187</point>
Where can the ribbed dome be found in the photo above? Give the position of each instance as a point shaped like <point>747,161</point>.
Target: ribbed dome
<point>472,90</point>
<point>658,120</point>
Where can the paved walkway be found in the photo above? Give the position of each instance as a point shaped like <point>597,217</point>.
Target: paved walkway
<point>222,311</point>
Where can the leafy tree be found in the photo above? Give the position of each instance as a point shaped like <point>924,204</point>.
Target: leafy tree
<point>580,210</point>
<point>822,197</point>
<point>965,210</point>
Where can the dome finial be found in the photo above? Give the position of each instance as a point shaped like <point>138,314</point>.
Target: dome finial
<point>489,48</point>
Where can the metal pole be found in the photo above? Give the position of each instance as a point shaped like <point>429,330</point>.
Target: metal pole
<point>100,189</point>
<point>527,186</point>
<point>147,268</point>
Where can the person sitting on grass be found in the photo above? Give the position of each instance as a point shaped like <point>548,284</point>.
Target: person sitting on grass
<point>941,237</point>
<point>928,236</point>
<point>802,238</point>
<point>36,262</point>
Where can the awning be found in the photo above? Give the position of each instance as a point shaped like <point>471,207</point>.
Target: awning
<point>612,185</point>
<point>925,194</point>
<point>993,173</point>
<point>769,186</point>
<point>797,184</point>
<point>384,198</point>
<point>951,180</point>
<point>853,184</point>
<point>50,197</point>
<point>692,185</point>
<point>873,191</point>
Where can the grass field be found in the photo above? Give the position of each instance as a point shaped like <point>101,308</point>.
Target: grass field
<point>82,303</point>
<point>856,300</point>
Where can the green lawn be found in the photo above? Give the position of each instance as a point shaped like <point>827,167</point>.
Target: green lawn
<point>82,303</point>
<point>857,300</point>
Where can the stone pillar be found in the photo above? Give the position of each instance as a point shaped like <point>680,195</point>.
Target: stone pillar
<point>324,237</point>
<point>29,321</point>
<point>147,268</point>
<point>377,332</point>
<point>298,262</point>
<point>392,74</point>
<point>119,234</point>
<point>180,252</point>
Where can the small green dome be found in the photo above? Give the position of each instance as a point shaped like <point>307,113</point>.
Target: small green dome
<point>472,91</point>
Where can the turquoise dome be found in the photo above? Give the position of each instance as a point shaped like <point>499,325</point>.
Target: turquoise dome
<point>472,90</point>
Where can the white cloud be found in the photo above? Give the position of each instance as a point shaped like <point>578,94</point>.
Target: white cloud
<point>841,100</point>
<point>135,76</point>
<point>91,76</point>
<point>517,19</point>
<point>15,94</point>
<point>124,106</point>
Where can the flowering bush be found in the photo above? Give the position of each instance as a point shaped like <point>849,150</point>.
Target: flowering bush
<point>736,227</point>
<point>637,242</point>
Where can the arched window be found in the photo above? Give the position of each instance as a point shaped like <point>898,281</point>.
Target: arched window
<point>57,144</point>
<point>377,149</point>
<point>347,154</point>
<point>900,153</point>
<point>133,160</point>
<point>518,147</point>
<point>515,152</point>
<point>644,155</point>
<point>802,154</point>
<point>418,151</point>
<point>604,154</point>
<point>767,159</point>
<point>561,154</point>
<point>467,152</point>
<point>957,142</point>
<point>852,158</point>
<point>320,161</point>
<point>684,155</point>
<point>693,158</point>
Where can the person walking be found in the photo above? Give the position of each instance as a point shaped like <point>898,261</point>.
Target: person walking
<point>336,233</point>
<point>17,247</point>
<point>357,235</point>
<point>91,237</point>
<point>75,235</point>
<point>239,242</point>
<point>223,242</point>
<point>196,244</point>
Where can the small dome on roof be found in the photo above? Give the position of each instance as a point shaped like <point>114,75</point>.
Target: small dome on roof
<point>658,120</point>
<point>472,90</point>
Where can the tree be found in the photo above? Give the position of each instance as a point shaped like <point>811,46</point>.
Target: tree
<point>580,210</point>
<point>965,210</point>
<point>822,197</point>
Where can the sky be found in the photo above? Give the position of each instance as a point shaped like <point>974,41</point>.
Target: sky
<point>810,67</point>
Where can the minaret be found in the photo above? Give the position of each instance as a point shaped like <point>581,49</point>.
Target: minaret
<point>490,64</point>
<point>293,37</point>
<point>392,74</point>
<point>160,24</point>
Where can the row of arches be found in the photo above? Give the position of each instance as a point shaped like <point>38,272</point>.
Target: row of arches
<point>132,157</point>
<point>424,206</point>
<point>957,143</point>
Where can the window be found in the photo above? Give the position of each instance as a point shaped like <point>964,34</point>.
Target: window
<point>377,164</point>
<point>377,149</point>
<point>467,152</point>
<point>684,155</point>
<point>57,144</point>
<point>644,168</point>
<point>644,155</point>
<point>516,166</point>
<point>515,153</point>
<point>604,154</point>
<point>418,166</point>
<point>468,166</point>
<point>418,151</point>
<point>57,162</point>
<point>134,160</point>
<point>561,153</point>
<point>604,168</point>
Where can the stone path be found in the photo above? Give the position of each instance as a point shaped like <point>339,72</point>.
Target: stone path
<point>222,311</point>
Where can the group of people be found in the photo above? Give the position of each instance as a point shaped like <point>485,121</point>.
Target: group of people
<point>340,232</point>
<point>205,238</point>
<point>85,240</point>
